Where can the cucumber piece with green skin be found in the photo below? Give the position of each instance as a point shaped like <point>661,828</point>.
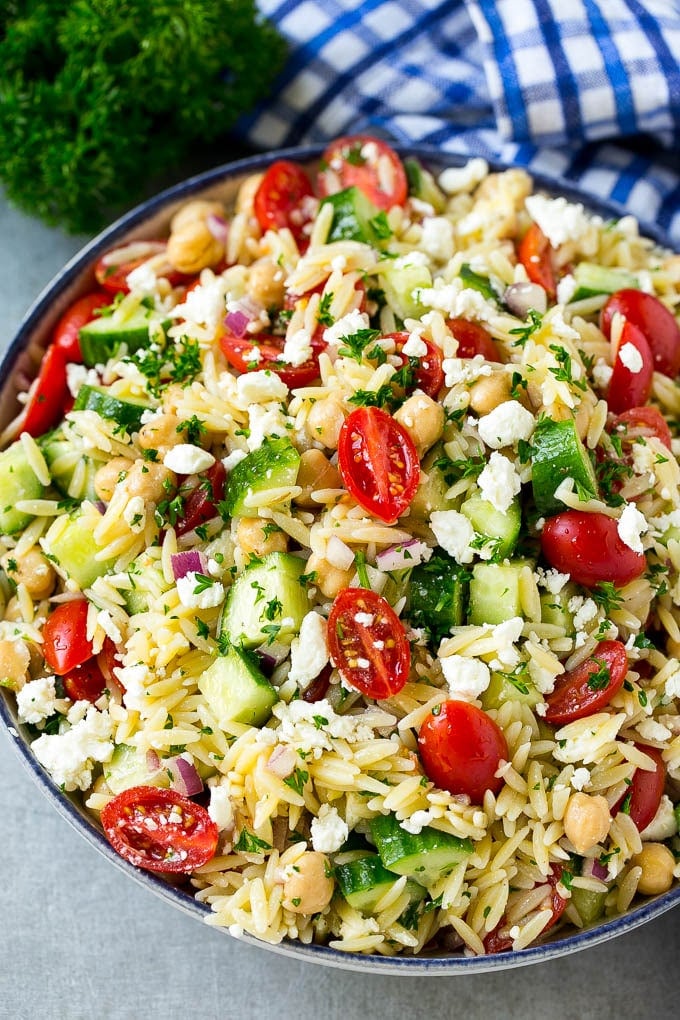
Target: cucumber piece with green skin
<point>266,602</point>
<point>589,904</point>
<point>401,280</point>
<point>422,185</point>
<point>555,608</point>
<point>130,767</point>
<point>592,279</point>
<point>431,492</point>
<point>273,465</point>
<point>17,481</point>
<point>355,218</point>
<point>557,452</point>
<point>237,690</point>
<point>495,592</point>
<point>63,458</point>
<point>501,527</point>
<point>126,412</point>
<point>511,686</point>
<point>70,543</point>
<point>475,281</point>
<point>364,881</point>
<point>437,595</point>
<point>425,856</point>
<point>105,335</point>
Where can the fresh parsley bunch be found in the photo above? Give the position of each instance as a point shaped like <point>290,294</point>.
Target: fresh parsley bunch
<point>99,99</point>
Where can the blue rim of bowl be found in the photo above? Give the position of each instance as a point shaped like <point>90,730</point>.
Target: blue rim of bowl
<point>78,816</point>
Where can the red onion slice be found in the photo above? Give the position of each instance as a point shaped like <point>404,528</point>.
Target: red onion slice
<point>218,227</point>
<point>240,314</point>
<point>400,557</point>
<point>153,762</point>
<point>520,298</point>
<point>191,561</point>
<point>185,779</point>
<point>593,869</point>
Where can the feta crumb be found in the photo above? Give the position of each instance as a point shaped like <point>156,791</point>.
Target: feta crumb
<point>142,279</point>
<point>220,808</point>
<point>259,387</point>
<point>187,459</point>
<point>297,349</point>
<point>562,221</point>
<point>437,238</point>
<point>415,346</point>
<point>36,701</point>
<point>672,686</point>
<point>552,580</point>
<point>195,593</point>
<point>79,375</point>
<point>506,425</point>
<point>329,831</point>
<point>133,679</point>
<point>631,525</point>
<point>466,677</point>
<point>265,420</point>
<point>631,358</point>
<point>454,533</point>
<point>417,822</point>
<point>233,458</point>
<point>584,610</point>
<point>346,326</point>
<point>309,651</point>
<point>663,825</point>
<point>499,482</point>
<point>602,374</point>
<point>312,726</point>
<point>206,304</point>
<point>506,635</point>
<point>465,370</point>
<point>69,756</point>
<point>580,778</point>
<point>566,288</point>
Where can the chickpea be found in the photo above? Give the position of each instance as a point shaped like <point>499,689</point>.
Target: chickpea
<point>586,821</point>
<point>255,535</point>
<point>315,472</point>
<point>330,580</point>
<point>324,421</point>
<point>423,418</point>
<point>309,888</point>
<point>246,194</point>
<point>198,209</point>
<point>15,660</point>
<point>194,248</point>
<point>489,391</point>
<point>32,570</point>
<point>658,864</point>
<point>266,283</point>
<point>108,476</point>
<point>160,434</point>
<point>151,481</point>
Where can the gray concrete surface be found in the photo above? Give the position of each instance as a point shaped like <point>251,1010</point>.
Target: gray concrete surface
<point>78,939</point>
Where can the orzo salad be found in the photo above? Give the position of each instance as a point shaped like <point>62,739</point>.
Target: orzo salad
<point>340,547</point>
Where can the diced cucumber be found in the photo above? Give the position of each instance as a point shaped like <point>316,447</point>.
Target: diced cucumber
<point>495,592</point>
<point>592,279</point>
<point>126,412</point>
<point>355,218</point>
<point>129,767</point>
<point>555,611</point>
<point>475,281</point>
<point>17,481</point>
<point>501,527</point>
<point>237,690</point>
<point>267,601</point>
<point>558,453</point>
<point>425,856</point>
<point>71,544</point>
<point>364,881</point>
<point>431,492</point>
<point>104,336</point>
<point>271,466</point>
<point>64,459</point>
<point>437,595</point>
<point>511,686</point>
<point>589,904</point>
<point>422,185</point>
<point>401,280</point>
<point>148,584</point>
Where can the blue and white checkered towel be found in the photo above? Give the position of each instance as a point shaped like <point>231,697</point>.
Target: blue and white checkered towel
<point>585,89</point>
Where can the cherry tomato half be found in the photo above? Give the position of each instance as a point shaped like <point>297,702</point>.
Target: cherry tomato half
<point>629,388</point>
<point>473,339</point>
<point>536,255</point>
<point>654,320</point>
<point>368,644</point>
<point>239,353</point>
<point>113,267</point>
<point>588,687</point>
<point>85,682</point>
<point>498,940</point>
<point>65,641</point>
<point>201,503</point>
<point>159,830</point>
<point>461,748</point>
<point>378,462</point>
<point>367,163</point>
<point>645,791</point>
<point>642,422</point>
<point>81,312</point>
<point>429,373</point>
<point>280,199</point>
<point>590,549</point>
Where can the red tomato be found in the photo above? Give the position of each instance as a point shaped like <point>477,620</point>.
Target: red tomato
<point>46,404</point>
<point>588,547</point>
<point>201,503</point>
<point>473,339</point>
<point>642,422</point>
<point>65,641</point>
<point>645,790</point>
<point>654,320</point>
<point>589,687</point>
<point>535,253</point>
<point>239,353</point>
<point>81,312</point>
<point>630,389</point>
<point>368,643</point>
<point>108,660</point>
<point>498,940</point>
<point>159,830</point>
<point>85,683</point>
<point>461,748</point>
<point>429,374</point>
<point>367,163</point>
<point>378,462</point>
<point>280,199</point>
<point>112,269</point>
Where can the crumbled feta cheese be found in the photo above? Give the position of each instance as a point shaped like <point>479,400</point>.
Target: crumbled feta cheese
<point>456,300</point>
<point>465,370</point>
<point>220,808</point>
<point>663,825</point>
<point>69,756</point>
<point>672,686</point>
<point>587,740</point>
<point>467,678</point>
<point>551,580</point>
<point>437,238</point>
<point>563,221</point>
<point>348,325</point>
<point>187,459</point>
<point>260,387</point>
<point>133,680</point>
<point>417,822</point>
<point>105,621</point>
<point>506,635</point>
<point>415,346</point>
<point>499,482</point>
<point>79,375</point>
<point>205,304</point>
<point>297,349</point>
<point>554,322</point>
<point>142,279</point>
<point>196,593</point>
<point>602,374</point>
<point>631,358</point>
<point>644,460</point>
<point>233,458</point>
<point>631,525</point>
<point>309,651</point>
<point>454,533</point>
<point>265,420</point>
<point>584,610</point>
<point>312,726</point>
<point>329,831</point>
<point>506,425</point>
<point>456,179</point>
<point>566,288</point>
<point>580,778</point>
<point>650,729</point>
<point>36,701</point>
